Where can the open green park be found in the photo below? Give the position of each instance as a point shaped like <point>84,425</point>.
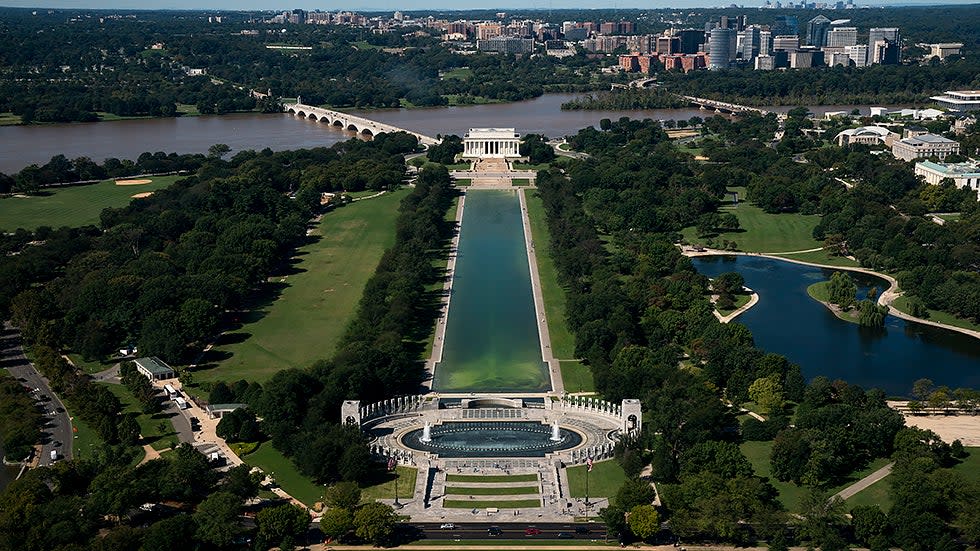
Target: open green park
<point>155,428</point>
<point>304,313</point>
<point>604,480</point>
<point>72,206</point>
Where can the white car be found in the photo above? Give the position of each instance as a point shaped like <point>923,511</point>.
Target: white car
<point>447,526</point>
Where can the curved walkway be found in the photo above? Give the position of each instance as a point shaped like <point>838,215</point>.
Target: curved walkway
<point>886,298</point>
<point>753,299</point>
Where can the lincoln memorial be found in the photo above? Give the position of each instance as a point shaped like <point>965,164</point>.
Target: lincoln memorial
<point>491,143</point>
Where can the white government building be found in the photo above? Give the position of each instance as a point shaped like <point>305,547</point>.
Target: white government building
<point>963,175</point>
<point>491,143</point>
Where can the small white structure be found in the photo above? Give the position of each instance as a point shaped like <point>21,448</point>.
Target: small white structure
<point>154,369</point>
<point>963,175</point>
<point>491,143</point>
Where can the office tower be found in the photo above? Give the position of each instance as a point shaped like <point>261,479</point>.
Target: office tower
<point>720,48</point>
<point>858,54</point>
<point>841,37</point>
<point>691,40</point>
<point>889,53</point>
<point>786,43</point>
<point>816,31</point>
<point>786,25</point>
<point>765,42</point>
<point>749,42</point>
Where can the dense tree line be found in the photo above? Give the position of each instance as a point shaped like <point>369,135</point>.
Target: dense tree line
<point>625,99</point>
<point>378,356</point>
<point>20,420</point>
<point>164,269</point>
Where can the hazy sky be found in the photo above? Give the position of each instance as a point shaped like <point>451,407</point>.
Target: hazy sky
<point>405,5</point>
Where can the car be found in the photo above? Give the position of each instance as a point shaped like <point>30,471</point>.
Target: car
<point>447,526</point>
<point>565,535</point>
<point>532,531</point>
<point>582,530</point>
<point>494,531</point>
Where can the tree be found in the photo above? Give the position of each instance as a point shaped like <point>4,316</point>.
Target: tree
<point>217,518</point>
<point>644,521</point>
<point>869,523</point>
<point>218,150</point>
<point>767,392</point>
<point>242,482</point>
<point>128,430</point>
<point>841,290</point>
<point>281,525</point>
<point>336,522</point>
<point>635,492</point>
<point>375,522</point>
<point>343,495</point>
<point>871,314</point>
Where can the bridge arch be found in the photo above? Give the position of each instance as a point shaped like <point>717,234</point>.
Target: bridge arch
<point>337,122</point>
<point>367,132</point>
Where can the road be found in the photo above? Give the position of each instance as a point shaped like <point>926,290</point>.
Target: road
<point>56,434</point>
<point>510,530</point>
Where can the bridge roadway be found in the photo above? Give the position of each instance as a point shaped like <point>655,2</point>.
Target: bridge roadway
<point>351,122</point>
<point>728,107</point>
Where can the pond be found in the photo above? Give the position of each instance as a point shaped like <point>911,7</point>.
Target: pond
<point>492,439</point>
<point>787,321</point>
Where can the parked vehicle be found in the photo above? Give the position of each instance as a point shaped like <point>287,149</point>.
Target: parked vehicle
<point>447,526</point>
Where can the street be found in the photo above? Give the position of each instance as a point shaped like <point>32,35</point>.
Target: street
<point>512,530</point>
<point>56,434</point>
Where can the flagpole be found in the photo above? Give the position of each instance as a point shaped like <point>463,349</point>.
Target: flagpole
<point>588,469</point>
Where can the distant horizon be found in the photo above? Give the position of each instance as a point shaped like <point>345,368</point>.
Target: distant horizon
<point>421,5</point>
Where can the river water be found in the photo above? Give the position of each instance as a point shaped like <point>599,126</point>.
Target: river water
<point>24,145</point>
<point>787,321</point>
<point>491,333</point>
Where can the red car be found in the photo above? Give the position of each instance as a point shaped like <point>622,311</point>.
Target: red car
<point>532,531</point>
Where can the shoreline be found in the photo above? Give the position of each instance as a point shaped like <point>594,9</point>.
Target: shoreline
<point>439,339</point>
<point>726,318</point>
<point>886,298</point>
<point>834,309</point>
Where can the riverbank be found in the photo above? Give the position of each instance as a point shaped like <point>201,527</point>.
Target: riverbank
<point>726,318</point>
<point>886,298</point>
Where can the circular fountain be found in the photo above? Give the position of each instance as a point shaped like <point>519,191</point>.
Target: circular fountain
<point>492,439</point>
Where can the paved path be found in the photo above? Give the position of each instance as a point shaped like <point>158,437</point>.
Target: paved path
<point>56,434</point>
<point>557,385</point>
<point>440,338</point>
<point>753,299</point>
<point>864,482</point>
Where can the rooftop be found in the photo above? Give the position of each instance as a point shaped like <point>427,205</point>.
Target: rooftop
<point>927,139</point>
<point>968,168</point>
<point>492,133</point>
<point>154,365</point>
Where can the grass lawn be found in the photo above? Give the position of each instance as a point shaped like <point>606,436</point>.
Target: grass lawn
<point>763,232</point>
<point>384,488</point>
<point>86,440</point>
<point>520,182</point>
<point>818,292</point>
<point>491,478</point>
<point>71,205</point>
<point>474,545</point>
<point>740,301</point>
<point>969,468</point>
<point>822,257</point>
<point>901,303</point>
<point>565,146</point>
<point>150,424</point>
<point>758,454</point>
<point>93,366</point>
<point>877,494</point>
<point>275,464</point>
<point>491,490</point>
<point>531,166</point>
<point>315,302</point>
<point>459,73</point>
<point>604,480</point>
<point>562,340</point>
<point>947,217</point>
<point>577,376</point>
<point>462,182</point>
<point>481,504</point>
<point>187,110</point>
<point>9,119</point>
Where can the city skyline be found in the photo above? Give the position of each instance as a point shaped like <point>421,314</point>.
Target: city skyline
<point>389,5</point>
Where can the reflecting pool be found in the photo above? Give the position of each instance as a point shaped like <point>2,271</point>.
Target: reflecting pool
<point>492,439</point>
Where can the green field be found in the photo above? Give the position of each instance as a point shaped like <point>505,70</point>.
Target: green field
<point>740,301</point>
<point>604,480</point>
<point>969,468</point>
<point>71,205</point>
<point>938,316</point>
<point>282,470</point>
<point>459,73</point>
<point>562,341</point>
<point>384,488</point>
<point>9,119</point>
<point>520,182</point>
<point>314,305</point>
<point>877,494</point>
<point>150,424</point>
<point>822,257</point>
<point>462,182</point>
<point>491,478</point>
<point>93,366</point>
<point>481,504</point>
<point>576,376</point>
<point>762,232</point>
<point>531,166</point>
<point>491,490</point>
<point>86,440</point>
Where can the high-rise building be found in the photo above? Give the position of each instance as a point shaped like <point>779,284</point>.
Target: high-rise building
<point>486,31</point>
<point>889,53</point>
<point>667,45</point>
<point>786,25</point>
<point>720,48</point>
<point>841,37</point>
<point>691,40</point>
<point>858,54</point>
<point>765,63</point>
<point>786,43</point>
<point>749,42</point>
<point>816,31</point>
<point>765,42</point>
<point>642,44</point>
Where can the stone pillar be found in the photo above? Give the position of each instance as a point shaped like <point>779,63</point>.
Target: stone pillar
<point>350,412</point>
<point>632,417</point>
